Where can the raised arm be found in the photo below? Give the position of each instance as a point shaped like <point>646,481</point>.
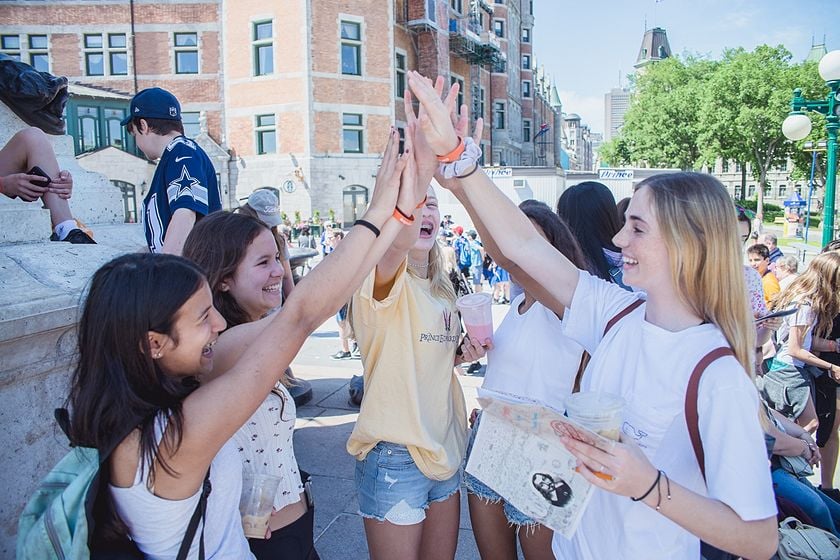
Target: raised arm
<point>515,236</point>
<point>219,407</point>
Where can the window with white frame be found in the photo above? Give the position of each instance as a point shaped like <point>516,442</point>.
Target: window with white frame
<point>526,34</point>
<point>526,130</point>
<point>725,166</point>
<point>782,191</point>
<point>191,122</point>
<point>526,61</point>
<point>526,89</point>
<point>499,27</point>
<point>352,133</point>
<point>186,53</point>
<point>457,5</point>
<point>266,130</point>
<point>351,48</point>
<point>39,56</point>
<point>10,45</point>
<point>499,115</point>
<point>400,67</point>
<point>262,41</point>
<point>106,54</point>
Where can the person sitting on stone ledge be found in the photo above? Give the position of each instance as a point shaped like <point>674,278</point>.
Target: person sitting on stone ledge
<point>26,150</point>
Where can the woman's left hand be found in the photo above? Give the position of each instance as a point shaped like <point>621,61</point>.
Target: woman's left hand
<point>472,350</point>
<point>624,470</point>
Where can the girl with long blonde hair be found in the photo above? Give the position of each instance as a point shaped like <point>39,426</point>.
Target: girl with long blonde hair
<point>679,248</point>
<point>788,384</point>
<point>410,436</point>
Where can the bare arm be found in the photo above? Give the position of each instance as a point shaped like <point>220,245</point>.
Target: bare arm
<point>179,228</point>
<point>795,349</point>
<point>219,407</point>
<point>515,236</point>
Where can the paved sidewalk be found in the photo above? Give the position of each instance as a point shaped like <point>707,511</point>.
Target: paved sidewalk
<point>323,427</point>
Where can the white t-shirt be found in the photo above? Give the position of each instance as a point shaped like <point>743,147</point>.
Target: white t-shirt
<point>531,361</point>
<point>650,368</point>
<point>804,317</point>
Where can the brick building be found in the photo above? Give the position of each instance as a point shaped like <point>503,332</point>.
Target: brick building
<point>299,93</point>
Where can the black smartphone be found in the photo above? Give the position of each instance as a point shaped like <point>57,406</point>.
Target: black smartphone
<point>783,313</point>
<point>41,173</point>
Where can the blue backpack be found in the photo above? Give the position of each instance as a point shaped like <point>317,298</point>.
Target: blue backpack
<point>58,521</point>
<point>462,247</point>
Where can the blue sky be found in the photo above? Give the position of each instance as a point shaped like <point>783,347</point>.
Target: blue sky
<point>584,44</point>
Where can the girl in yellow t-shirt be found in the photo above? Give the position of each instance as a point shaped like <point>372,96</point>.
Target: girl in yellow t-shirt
<point>411,433</point>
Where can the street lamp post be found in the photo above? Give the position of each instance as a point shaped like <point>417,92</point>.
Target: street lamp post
<point>813,148</point>
<point>798,126</point>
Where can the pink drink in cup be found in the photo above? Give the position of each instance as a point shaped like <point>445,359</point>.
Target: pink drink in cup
<point>477,312</point>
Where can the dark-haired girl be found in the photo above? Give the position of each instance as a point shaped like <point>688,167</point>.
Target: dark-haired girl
<point>149,330</point>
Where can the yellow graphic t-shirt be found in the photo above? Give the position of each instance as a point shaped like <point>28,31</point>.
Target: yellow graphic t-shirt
<point>412,397</point>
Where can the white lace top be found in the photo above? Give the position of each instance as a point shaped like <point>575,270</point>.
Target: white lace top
<point>265,444</point>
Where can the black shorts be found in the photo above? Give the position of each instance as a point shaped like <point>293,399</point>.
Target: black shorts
<point>825,402</point>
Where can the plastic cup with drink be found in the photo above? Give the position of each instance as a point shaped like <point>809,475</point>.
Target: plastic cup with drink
<point>600,412</point>
<point>255,504</point>
<point>477,312</point>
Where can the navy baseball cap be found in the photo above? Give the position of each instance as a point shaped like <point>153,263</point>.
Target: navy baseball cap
<point>153,103</point>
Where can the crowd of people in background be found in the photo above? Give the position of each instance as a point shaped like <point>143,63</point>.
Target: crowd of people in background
<point>189,382</point>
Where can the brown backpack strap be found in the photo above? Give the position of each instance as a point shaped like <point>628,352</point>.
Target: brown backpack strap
<point>691,394</point>
<point>622,314</point>
<point>584,358</point>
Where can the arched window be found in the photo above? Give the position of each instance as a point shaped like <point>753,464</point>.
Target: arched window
<point>355,201</point>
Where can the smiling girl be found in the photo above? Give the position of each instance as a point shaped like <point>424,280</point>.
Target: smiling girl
<point>679,247</point>
<point>147,332</point>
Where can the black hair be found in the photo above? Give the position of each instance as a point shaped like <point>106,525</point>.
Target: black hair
<point>590,211</point>
<point>157,126</point>
<point>217,244</point>
<point>833,245</point>
<point>759,249</point>
<point>116,386</point>
<point>556,231</point>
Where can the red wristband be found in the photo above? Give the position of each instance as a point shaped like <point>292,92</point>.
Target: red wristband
<point>403,218</point>
<point>422,203</point>
<point>455,154</point>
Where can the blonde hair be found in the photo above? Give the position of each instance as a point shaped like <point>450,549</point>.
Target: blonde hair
<point>818,285</point>
<point>441,285</point>
<point>699,227</point>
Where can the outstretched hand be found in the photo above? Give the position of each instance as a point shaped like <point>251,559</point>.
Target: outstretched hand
<point>434,116</point>
<point>388,179</point>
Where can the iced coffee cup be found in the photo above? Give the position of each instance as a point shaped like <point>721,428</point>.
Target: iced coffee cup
<point>600,412</point>
<point>255,505</point>
<point>477,312</point>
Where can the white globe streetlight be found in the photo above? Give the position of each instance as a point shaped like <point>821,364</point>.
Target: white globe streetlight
<point>829,67</point>
<point>796,126</point>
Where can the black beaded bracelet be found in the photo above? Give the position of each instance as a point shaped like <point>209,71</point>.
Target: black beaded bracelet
<point>654,485</point>
<point>368,225</point>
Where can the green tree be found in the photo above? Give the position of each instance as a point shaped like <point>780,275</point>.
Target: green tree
<point>746,99</point>
<point>615,152</point>
<point>662,125</point>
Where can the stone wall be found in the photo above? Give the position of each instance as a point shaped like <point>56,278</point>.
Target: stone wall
<point>41,284</point>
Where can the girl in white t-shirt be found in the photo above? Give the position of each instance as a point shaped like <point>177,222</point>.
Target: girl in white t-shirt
<point>788,383</point>
<point>533,362</point>
<point>679,246</point>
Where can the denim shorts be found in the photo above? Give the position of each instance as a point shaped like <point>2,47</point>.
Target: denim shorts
<point>391,488</point>
<point>477,488</point>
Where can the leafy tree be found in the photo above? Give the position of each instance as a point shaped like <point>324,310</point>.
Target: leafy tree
<point>615,152</point>
<point>661,127</point>
<point>745,102</point>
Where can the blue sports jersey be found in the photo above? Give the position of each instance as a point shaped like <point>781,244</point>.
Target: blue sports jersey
<point>184,178</point>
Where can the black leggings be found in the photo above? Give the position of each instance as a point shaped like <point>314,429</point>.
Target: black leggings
<point>293,542</point>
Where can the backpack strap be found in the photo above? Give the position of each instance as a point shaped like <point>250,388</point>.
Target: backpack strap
<point>691,396</point>
<point>622,314</point>
<point>584,358</point>
<point>197,516</point>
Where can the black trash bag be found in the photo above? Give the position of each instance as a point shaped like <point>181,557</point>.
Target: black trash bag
<point>38,98</point>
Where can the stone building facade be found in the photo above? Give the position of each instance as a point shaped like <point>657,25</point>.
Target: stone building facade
<point>300,93</point>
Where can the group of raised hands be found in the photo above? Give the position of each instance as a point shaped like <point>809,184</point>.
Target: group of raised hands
<point>434,129</point>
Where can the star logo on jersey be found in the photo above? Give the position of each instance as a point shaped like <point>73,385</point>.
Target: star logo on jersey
<point>184,184</point>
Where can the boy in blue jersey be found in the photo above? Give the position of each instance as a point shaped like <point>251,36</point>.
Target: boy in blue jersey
<point>184,187</point>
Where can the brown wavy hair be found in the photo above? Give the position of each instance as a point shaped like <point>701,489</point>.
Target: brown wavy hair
<point>818,285</point>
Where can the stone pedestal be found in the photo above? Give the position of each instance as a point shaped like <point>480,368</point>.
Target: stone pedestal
<point>41,286</point>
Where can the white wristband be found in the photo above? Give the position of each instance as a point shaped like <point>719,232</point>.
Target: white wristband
<point>469,158</point>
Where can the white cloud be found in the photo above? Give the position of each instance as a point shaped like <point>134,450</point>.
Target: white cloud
<point>589,107</point>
